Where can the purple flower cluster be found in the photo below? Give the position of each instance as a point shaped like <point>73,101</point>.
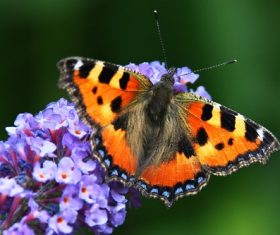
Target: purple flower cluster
<point>49,182</point>
<point>154,70</point>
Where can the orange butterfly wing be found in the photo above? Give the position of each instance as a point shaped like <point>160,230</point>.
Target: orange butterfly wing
<point>114,154</point>
<point>181,176</point>
<point>220,141</point>
<point>101,92</point>
<point>224,140</point>
<point>99,89</point>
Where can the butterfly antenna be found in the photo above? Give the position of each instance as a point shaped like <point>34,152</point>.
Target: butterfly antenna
<point>160,37</point>
<point>211,67</point>
<point>215,66</point>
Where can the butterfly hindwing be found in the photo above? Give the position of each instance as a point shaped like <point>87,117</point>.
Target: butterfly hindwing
<point>117,159</point>
<point>224,140</point>
<point>182,175</point>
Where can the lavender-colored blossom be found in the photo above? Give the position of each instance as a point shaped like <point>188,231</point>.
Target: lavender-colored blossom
<point>70,198</point>
<point>59,223</point>
<point>96,216</point>
<point>48,175</point>
<point>24,121</point>
<point>19,229</point>
<point>37,212</point>
<point>185,75</point>
<point>77,155</point>
<point>46,172</point>
<point>10,187</point>
<point>202,92</point>
<point>67,172</point>
<point>78,129</point>
<point>92,191</point>
<point>42,147</point>
<point>154,71</point>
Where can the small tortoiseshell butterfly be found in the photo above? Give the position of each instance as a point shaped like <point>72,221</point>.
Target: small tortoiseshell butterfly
<point>164,143</point>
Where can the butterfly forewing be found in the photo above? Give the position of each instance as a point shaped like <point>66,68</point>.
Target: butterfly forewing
<point>100,90</point>
<point>224,140</point>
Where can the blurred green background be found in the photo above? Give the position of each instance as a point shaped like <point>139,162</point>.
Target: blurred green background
<point>36,34</point>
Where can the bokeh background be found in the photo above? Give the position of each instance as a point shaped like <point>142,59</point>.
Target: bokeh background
<point>34,35</point>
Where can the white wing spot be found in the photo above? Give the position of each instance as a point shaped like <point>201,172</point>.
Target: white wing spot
<point>240,116</point>
<point>78,65</point>
<point>260,133</point>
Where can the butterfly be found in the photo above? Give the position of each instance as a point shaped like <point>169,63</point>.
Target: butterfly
<point>166,144</point>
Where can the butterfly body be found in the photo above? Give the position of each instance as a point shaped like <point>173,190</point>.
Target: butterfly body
<point>167,144</point>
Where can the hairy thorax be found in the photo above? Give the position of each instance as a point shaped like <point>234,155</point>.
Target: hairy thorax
<point>153,132</point>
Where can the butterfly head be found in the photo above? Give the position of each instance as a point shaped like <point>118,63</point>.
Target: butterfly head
<point>169,76</point>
